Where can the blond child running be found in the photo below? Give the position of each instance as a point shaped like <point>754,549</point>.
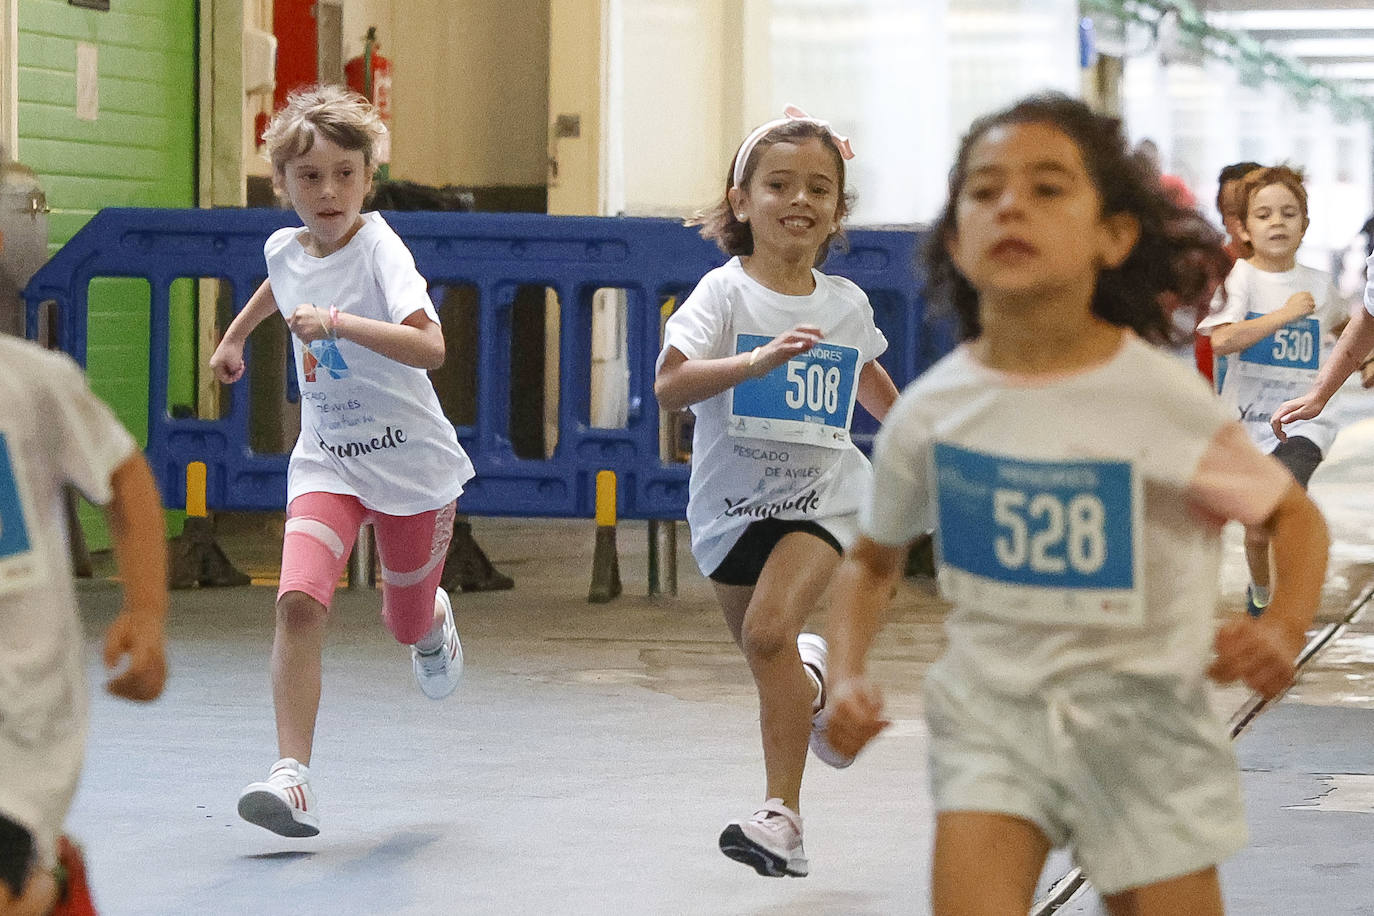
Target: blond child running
<point>374,444</point>
<point>1272,323</point>
<point>1077,478</point>
<point>54,432</point>
<point>771,355</point>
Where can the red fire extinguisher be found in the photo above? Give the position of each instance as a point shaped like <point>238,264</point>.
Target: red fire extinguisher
<point>370,75</point>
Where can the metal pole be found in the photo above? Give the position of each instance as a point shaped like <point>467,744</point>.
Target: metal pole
<point>360,574</point>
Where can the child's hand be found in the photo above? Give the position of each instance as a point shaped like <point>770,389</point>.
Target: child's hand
<point>785,346</point>
<point>1300,408</point>
<point>227,362</point>
<point>1301,304</point>
<point>1255,652</point>
<point>142,641</point>
<point>855,715</point>
<point>309,322</point>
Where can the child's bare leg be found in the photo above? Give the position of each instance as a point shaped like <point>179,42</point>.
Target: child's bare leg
<point>296,649</point>
<point>40,894</point>
<point>797,572</point>
<point>1197,894</point>
<point>985,864</point>
<point>1257,555</point>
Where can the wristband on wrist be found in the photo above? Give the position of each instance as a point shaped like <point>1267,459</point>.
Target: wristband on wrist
<point>334,322</point>
<point>754,356</point>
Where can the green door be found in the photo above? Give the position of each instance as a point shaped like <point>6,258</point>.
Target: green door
<point>107,118</point>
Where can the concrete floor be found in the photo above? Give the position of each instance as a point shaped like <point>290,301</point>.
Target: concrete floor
<point>594,752</point>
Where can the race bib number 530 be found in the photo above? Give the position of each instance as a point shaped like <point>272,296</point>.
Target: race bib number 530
<point>809,400</point>
<point>1040,541</point>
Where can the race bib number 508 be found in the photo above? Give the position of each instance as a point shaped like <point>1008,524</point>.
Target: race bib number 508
<point>809,399</point>
<point>1044,541</point>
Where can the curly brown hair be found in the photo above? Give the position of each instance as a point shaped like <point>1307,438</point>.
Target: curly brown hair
<point>1177,257</point>
<point>735,237</point>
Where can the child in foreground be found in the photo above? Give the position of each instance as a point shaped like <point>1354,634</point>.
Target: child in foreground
<point>54,432</point>
<point>1077,478</point>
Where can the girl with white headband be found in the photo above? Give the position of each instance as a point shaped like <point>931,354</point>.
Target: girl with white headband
<point>771,354</point>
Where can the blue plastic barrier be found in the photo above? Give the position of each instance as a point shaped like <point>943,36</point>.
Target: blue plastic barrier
<point>650,259</point>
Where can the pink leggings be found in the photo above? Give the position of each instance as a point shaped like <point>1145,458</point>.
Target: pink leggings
<point>320,531</point>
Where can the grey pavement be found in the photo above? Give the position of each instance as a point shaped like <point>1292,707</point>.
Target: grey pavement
<point>593,752</point>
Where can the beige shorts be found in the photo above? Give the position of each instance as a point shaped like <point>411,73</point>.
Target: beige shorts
<point>1140,785</point>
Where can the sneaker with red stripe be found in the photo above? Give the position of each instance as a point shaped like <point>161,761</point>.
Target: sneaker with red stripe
<point>285,803</point>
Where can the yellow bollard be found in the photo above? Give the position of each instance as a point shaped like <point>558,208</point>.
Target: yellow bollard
<point>195,489</point>
<point>605,561</point>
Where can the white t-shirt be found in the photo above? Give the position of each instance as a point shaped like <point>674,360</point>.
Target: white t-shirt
<point>1283,365</point>
<point>779,446</point>
<point>1078,516</point>
<point>53,432</point>
<point>371,427</point>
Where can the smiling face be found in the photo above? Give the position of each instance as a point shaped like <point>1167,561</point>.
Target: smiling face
<point>792,199</point>
<point>1028,218</point>
<point>1274,224</point>
<point>327,186</point>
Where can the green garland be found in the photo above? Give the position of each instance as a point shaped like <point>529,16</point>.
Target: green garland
<point>1252,60</point>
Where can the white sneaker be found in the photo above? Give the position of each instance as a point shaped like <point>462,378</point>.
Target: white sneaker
<point>439,672</point>
<point>813,652</point>
<point>770,841</point>
<point>285,803</point>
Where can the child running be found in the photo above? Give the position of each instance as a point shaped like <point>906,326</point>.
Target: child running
<point>1271,324</point>
<point>55,432</point>
<point>771,355</point>
<point>1077,478</point>
<point>374,444</point>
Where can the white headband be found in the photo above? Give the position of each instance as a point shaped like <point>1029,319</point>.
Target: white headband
<point>790,113</point>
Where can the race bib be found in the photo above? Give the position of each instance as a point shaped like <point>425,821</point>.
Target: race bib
<point>808,400</point>
<point>1292,351</point>
<point>1040,541</point>
<point>18,559</point>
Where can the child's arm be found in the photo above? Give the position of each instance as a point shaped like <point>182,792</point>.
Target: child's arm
<point>417,341</point>
<point>1232,338</point>
<point>227,360</point>
<point>877,392</point>
<point>862,587</point>
<point>1262,651</point>
<point>1351,349</point>
<point>682,381</point>
<point>140,546</point>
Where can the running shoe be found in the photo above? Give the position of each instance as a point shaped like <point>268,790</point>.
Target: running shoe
<point>439,672</point>
<point>285,803</point>
<point>770,841</point>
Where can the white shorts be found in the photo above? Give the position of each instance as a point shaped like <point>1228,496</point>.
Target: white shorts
<point>1141,785</point>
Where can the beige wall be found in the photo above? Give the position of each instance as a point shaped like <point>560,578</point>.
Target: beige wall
<point>470,91</point>
<point>358,15</point>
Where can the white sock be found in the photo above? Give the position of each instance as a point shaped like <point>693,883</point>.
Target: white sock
<point>1260,594</point>
<point>820,691</point>
<point>433,641</point>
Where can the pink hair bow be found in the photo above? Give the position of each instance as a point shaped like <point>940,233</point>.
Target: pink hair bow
<point>790,113</point>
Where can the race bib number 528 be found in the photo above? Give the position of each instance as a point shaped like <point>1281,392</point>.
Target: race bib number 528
<point>1043,541</point>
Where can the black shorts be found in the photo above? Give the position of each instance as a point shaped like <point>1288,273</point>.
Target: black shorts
<point>17,855</point>
<point>1300,455</point>
<point>744,563</point>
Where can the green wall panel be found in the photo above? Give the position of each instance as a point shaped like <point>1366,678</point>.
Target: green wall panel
<point>139,151</point>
